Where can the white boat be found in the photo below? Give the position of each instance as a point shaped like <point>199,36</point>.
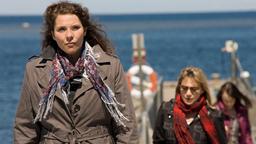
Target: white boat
<point>25,25</point>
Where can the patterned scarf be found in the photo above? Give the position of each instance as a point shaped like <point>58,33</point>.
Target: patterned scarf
<point>63,71</point>
<point>181,129</point>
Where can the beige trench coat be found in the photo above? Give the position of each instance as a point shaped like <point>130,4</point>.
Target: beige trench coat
<point>88,121</point>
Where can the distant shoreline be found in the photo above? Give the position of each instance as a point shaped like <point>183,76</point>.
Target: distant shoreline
<point>141,14</point>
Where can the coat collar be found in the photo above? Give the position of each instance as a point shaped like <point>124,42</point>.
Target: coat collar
<point>48,53</point>
<point>45,61</point>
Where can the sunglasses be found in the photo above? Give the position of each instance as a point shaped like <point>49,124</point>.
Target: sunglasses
<point>193,90</point>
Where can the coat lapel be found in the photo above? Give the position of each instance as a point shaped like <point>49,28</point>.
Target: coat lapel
<point>86,85</point>
<point>44,78</point>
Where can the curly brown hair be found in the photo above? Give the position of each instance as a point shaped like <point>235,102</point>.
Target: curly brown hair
<point>94,32</point>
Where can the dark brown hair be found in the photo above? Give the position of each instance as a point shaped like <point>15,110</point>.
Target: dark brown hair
<point>94,32</point>
<point>232,90</point>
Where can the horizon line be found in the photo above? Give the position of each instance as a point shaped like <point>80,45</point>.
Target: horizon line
<point>147,13</point>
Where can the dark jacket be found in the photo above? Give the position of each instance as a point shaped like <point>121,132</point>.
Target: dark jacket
<point>86,120</point>
<point>164,133</point>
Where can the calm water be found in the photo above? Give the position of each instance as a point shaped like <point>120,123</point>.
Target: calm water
<point>172,41</point>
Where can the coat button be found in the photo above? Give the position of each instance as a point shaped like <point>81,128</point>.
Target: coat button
<point>77,108</point>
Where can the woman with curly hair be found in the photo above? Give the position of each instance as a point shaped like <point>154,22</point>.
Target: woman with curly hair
<point>75,91</point>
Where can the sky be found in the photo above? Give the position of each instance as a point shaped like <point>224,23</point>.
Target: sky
<point>37,7</point>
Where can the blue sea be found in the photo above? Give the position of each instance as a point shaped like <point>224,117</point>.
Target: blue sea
<point>172,41</point>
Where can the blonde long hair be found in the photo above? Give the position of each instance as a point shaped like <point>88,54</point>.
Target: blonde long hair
<point>198,75</point>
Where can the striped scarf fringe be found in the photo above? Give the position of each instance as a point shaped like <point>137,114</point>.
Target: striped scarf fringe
<point>46,102</point>
<point>107,95</point>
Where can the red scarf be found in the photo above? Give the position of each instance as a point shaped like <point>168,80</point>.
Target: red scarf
<point>181,129</point>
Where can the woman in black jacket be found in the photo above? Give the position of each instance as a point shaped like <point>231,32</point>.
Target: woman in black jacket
<point>189,118</point>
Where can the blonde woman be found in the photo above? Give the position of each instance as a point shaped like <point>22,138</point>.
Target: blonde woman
<point>189,118</point>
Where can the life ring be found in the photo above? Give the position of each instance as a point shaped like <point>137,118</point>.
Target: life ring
<point>149,81</point>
